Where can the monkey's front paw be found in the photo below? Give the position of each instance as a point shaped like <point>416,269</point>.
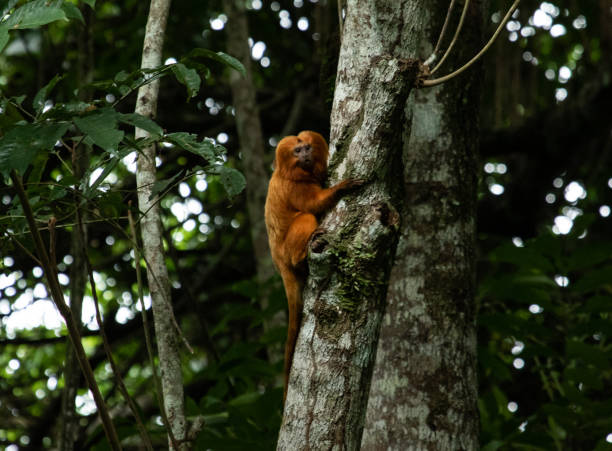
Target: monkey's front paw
<point>352,184</point>
<point>318,241</point>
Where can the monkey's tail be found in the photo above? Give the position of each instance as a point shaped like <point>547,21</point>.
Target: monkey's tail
<point>293,288</point>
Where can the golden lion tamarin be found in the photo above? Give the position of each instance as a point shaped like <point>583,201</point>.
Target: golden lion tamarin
<point>295,199</point>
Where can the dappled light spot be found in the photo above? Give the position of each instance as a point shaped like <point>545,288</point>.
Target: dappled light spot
<point>557,30</point>
<point>496,189</point>
<point>512,406</point>
<point>560,94</point>
<point>563,225</point>
<point>574,191</point>
<point>565,74</point>
<point>85,404</point>
<point>258,50</point>
<point>518,363</point>
<point>184,189</point>
<point>562,281</point>
<point>518,241</point>
<point>218,22</point>
<point>517,348</point>
<point>170,60</point>
<point>285,19</point>
<point>579,22</point>
<point>265,62</point>
<point>550,198</point>
<point>303,23</point>
<point>535,309</point>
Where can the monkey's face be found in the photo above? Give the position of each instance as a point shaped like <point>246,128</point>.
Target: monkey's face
<point>304,155</point>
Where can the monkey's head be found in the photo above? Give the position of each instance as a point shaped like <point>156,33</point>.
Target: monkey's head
<point>303,156</point>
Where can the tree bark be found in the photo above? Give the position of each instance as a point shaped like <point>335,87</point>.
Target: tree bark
<point>424,389</point>
<point>151,231</point>
<point>251,140</point>
<point>351,258</point>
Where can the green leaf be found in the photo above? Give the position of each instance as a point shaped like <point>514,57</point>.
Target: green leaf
<point>206,148</point>
<point>233,181</point>
<point>220,57</point>
<point>101,128</point>
<point>39,99</point>
<point>140,121</point>
<point>91,3</point>
<point>188,77</point>
<point>19,145</point>
<point>35,14</point>
<point>73,12</point>
<point>4,37</point>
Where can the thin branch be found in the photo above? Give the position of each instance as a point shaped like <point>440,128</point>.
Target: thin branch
<point>437,81</point>
<point>454,40</point>
<point>433,56</point>
<point>58,297</point>
<point>147,333</point>
<point>107,349</point>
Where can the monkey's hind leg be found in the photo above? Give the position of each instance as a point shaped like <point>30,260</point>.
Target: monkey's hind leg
<point>296,241</point>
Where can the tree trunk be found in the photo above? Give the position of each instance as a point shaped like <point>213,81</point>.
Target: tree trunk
<point>424,388</point>
<point>252,149</point>
<point>151,231</point>
<point>351,258</point>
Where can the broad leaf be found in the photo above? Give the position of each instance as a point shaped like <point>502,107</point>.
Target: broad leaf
<point>73,12</point>
<point>220,57</point>
<point>233,181</point>
<point>188,77</point>
<point>41,95</point>
<point>101,128</point>
<point>35,14</point>
<point>206,148</point>
<point>140,121</point>
<point>21,143</point>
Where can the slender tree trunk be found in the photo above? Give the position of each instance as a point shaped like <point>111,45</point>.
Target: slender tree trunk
<point>350,260</point>
<point>252,149</point>
<point>151,231</point>
<point>424,388</point>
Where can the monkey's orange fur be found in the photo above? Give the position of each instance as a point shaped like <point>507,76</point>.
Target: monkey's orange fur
<point>295,199</point>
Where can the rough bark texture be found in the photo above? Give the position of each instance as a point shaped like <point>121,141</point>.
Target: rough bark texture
<point>350,260</point>
<point>424,389</point>
<point>251,139</point>
<point>151,231</point>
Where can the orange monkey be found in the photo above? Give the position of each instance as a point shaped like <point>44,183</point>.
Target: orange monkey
<point>295,198</point>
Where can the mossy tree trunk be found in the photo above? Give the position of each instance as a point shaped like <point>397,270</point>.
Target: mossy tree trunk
<point>350,260</point>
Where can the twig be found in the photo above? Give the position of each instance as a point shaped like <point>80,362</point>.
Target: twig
<point>432,57</point>
<point>147,333</point>
<point>454,40</point>
<point>58,297</point>
<point>437,81</point>
<point>107,349</point>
